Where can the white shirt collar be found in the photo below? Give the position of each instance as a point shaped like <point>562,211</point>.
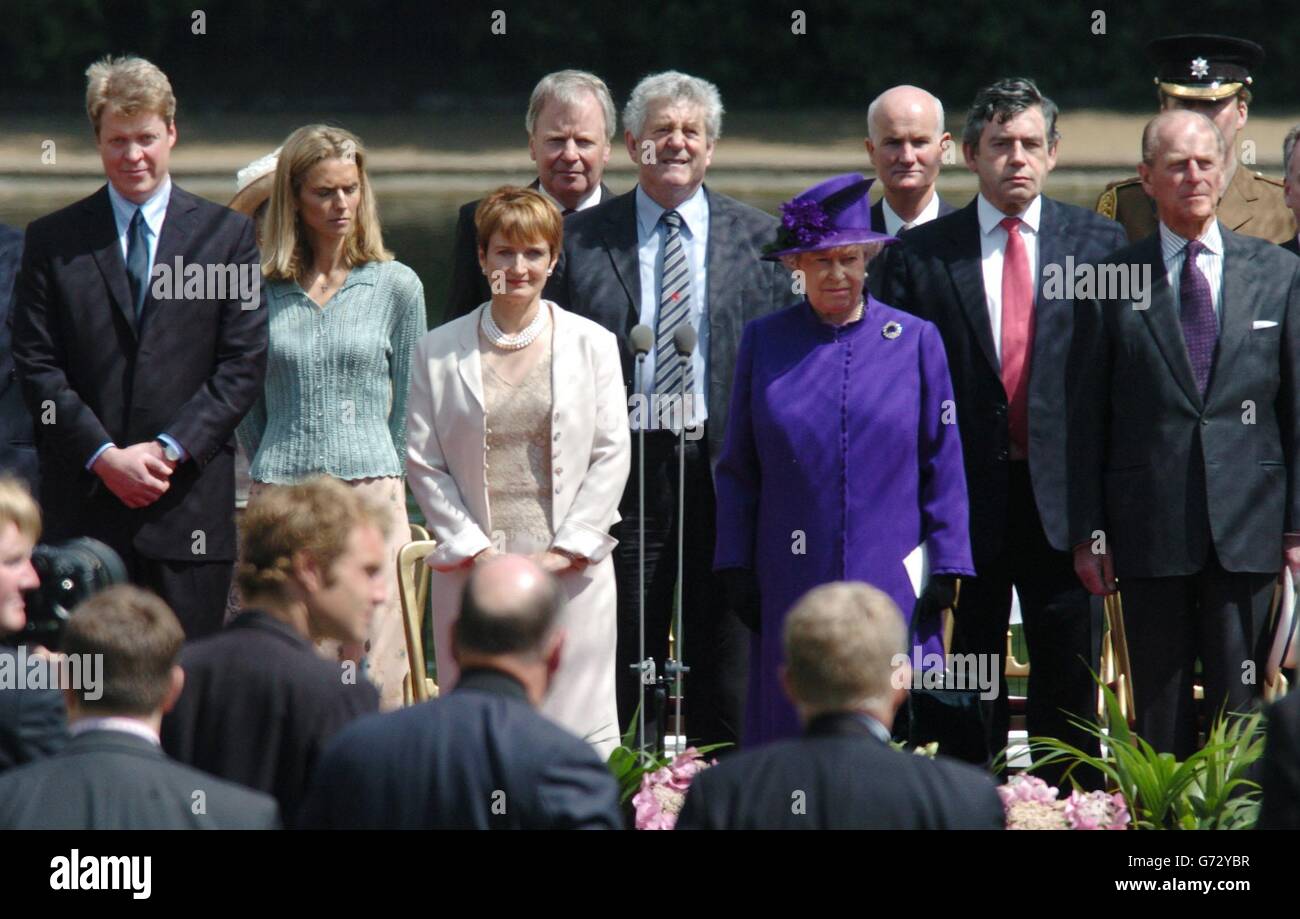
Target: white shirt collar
<point>153,210</point>
<point>894,223</point>
<point>115,723</point>
<point>592,199</point>
<point>1171,244</point>
<point>990,217</point>
<point>694,212</point>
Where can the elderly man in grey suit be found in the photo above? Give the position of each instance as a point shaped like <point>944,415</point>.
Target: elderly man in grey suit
<point>668,254</point>
<point>113,775</point>
<point>1185,439</point>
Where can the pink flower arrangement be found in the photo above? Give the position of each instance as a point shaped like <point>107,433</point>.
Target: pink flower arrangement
<point>663,792</point>
<point>1096,810</point>
<point>1030,804</point>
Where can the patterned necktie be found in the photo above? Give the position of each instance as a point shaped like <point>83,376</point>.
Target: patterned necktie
<point>137,260</point>
<point>1017,335</point>
<point>1200,328</point>
<point>674,311</point>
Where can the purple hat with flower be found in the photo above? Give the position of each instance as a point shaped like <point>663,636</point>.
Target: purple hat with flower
<point>833,213</point>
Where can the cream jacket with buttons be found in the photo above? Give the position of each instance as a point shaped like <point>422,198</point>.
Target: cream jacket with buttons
<point>447,438</point>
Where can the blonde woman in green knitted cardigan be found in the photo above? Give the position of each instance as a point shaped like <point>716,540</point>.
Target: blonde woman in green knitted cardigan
<point>344,318</point>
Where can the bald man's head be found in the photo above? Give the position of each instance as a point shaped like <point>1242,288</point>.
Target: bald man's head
<point>903,103</point>
<point>905,142</point>
<point>509,607</point>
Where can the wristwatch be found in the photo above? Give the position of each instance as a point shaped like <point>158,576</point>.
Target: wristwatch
<point>171,453</point>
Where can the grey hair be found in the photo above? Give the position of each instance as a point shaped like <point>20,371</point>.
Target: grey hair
<point>875,104</point>
<point>1004,100</point>
<point>567,87</point>
<point>1287,146</point>
<point>677,87</point>
<point>1149,141</point>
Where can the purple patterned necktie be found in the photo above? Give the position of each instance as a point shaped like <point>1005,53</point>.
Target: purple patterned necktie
<point>1200,328</point>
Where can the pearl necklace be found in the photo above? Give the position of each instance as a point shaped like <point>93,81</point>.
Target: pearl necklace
<point>516,341</point>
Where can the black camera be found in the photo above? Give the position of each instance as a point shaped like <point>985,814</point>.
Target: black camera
<point>70,571</point>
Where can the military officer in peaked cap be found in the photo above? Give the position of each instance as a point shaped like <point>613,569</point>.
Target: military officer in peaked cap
<point>1210,74</point>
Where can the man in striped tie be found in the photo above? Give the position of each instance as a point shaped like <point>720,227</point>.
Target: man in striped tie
<point>1184,441</point>
<point>673,254</point>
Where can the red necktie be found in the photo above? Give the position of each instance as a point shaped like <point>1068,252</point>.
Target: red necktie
<point>1017,335</point>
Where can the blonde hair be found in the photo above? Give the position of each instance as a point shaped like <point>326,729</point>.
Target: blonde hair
<point>286,250</point>
<point>17,506</point>
<point>840,643</point>
<point>316,516</point>
<point>128,86</point>
<point>521,215</point>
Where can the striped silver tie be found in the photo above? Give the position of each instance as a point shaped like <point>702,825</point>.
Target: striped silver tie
<point>674,312</point>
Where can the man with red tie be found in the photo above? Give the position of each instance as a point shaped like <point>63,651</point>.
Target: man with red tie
<point>989,277</point>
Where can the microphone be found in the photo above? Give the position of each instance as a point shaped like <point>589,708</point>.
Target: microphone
<point>642,339</point>
<point>684,340</point>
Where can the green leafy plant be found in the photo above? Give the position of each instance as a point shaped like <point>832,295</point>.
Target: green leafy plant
<point>629,765</point>
<point>1208,790</point>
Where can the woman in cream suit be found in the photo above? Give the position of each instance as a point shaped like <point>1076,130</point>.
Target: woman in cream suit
<point>517,441</point>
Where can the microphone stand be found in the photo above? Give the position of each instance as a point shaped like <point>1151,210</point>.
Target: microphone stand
<point>677,668</point>
<point>644,672</point>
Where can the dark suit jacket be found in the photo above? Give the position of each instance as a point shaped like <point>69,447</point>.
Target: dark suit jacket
<point>17,450</point>
<point>936,273</point>
<point>599,276</point>
<point>111,780</point>
<point>469,287</point>
<point>1280,773</point>
<point>878,214</point>
<point>1291,245</point>
<point>839,777</point>
<point>1164,473</point>
<point>258,707</point>
<point>479,758</point>
<point>192,371</point>
<point>33,722</point>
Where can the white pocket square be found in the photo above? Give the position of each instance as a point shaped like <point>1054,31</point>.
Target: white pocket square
<point>1262,324</point>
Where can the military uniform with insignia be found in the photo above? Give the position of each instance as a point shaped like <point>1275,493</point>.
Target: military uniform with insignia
<point>1206,68</point>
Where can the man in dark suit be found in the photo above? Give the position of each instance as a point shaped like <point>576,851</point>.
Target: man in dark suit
<point>1184,440</point>
<point>113,775</point>
<point>1291,184</point>
<point>32,719</point>
<point>1280,773</point>
<point>847,672</point>
<point>140,339</point>
<point>311,555</point>
<point>906,141</point>
<point>570,124</point>
<point>482,757</point>
<point>17,449</point>
<point>669,253</point>
<point>990,277</point>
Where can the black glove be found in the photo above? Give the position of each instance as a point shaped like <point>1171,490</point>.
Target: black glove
<point>741,587</point>
<point>940,593</point>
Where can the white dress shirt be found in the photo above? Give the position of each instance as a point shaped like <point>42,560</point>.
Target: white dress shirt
<point>993,250</point>
<point>115,723</point>
<point>651,236</point>
<point>593,198</point>
<point>894,223</point>
<point>1173,248</point>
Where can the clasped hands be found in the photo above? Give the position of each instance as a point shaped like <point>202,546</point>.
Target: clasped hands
<point>550,561</point>
<point>138,475</point>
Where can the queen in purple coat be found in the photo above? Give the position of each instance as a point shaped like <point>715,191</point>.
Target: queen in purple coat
<point>842,453</point>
